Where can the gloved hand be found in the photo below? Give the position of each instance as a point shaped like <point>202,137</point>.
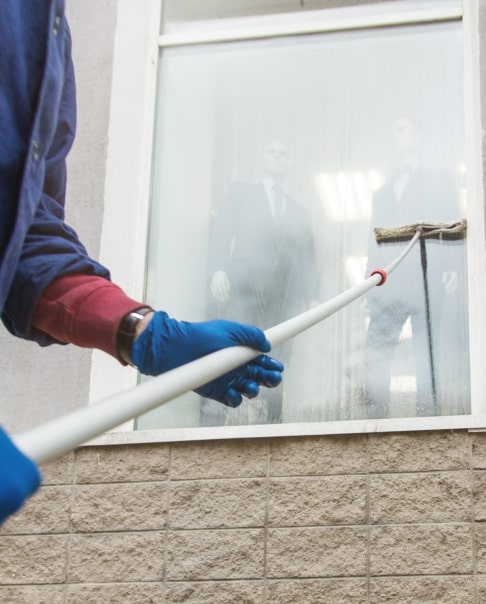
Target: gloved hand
<point>19,477</point>
<point>167,343</point>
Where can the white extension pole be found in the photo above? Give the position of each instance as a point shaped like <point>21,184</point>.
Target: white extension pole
<point>58,436</point>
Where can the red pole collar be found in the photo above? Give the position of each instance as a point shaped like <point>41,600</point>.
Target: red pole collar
<point>382,273</point>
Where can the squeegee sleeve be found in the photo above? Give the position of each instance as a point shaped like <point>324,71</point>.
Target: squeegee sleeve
<point>429,229</point>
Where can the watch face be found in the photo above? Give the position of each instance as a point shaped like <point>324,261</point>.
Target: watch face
<point>126,332</point>
<point>137,315</point>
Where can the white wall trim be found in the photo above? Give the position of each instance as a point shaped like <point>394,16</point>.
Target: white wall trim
<point>127,189</point>
<point>310,22</point>
<point>411,424</point>
<point>476,244</point>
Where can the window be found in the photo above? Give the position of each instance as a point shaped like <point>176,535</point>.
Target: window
<point>352,111</point>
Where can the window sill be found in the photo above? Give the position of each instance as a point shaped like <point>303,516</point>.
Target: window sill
<point>456,422</point>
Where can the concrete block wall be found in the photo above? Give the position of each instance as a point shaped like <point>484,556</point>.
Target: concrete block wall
<point>396,518</point>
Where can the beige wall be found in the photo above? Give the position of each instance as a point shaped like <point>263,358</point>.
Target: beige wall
<point>393,518</point>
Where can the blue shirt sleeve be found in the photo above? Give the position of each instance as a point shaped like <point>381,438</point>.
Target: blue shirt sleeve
<point>42,247</point>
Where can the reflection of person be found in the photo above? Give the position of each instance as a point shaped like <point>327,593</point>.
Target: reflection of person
<point>262,258</point>
<point>50,289</point>
<point>413,193</point>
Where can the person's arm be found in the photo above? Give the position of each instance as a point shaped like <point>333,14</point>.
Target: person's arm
<point>84,310</point>
<point>220,286</point>
<point>49,248</point>
<point>92,312</point>
<point>221,239</point>
<point>56,292</point>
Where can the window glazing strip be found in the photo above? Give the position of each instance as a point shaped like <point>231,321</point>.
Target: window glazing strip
<point>312,22</point>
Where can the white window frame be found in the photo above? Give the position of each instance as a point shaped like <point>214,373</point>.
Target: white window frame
<point>128,178</point>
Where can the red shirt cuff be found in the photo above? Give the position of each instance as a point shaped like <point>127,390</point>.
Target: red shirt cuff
<point>84,310</point>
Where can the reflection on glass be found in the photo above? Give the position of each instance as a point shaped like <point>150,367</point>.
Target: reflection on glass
<point>262,268</point>
<point>337,101</point>
<point>347,196</point>
<point>428,277</point>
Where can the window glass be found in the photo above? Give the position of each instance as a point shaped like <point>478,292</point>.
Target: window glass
<point>274,160</point>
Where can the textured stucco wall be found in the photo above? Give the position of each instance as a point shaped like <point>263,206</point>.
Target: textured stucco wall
<point>376,518</point>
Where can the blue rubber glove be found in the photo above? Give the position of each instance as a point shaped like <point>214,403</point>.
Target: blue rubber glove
<point>19,477</point>
<point>167,343</point>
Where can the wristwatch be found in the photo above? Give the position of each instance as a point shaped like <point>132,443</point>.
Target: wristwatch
<point>126,333</point>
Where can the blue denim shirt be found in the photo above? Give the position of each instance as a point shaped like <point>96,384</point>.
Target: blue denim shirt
<point>37,127</point>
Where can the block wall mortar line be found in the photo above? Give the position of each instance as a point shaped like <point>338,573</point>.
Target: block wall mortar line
<point>167,523</point>
<point>73,482</point>
<point>368,515</point>
<point>473,518</point>
<point>265,525</point>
